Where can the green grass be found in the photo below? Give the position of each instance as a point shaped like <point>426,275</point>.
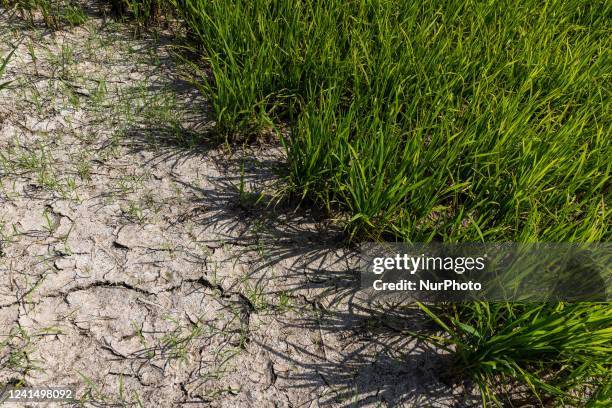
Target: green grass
<point>144,12</point>
<point>559,351</point>
<point>444,120</point>
<point>58,13</point>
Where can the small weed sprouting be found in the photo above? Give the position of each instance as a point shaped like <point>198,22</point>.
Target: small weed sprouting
<point>3,63</point>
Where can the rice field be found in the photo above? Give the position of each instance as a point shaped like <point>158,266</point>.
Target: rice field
<point>451,121</point>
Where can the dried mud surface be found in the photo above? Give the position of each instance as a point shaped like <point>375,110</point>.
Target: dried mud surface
<point>136,265</point>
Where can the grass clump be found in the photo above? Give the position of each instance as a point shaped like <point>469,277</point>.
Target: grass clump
<point>58,13</point>
<point>561,352</point>
<point>441,120</point>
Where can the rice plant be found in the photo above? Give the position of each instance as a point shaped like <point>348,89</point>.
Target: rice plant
<point>559,352</point>
<point>442,120</point>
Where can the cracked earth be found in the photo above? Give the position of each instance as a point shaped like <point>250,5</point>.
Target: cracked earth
<point>136,263</point>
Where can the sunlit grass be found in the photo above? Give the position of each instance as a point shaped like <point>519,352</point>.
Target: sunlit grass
<point>558,351</point>
<point>444,120</point>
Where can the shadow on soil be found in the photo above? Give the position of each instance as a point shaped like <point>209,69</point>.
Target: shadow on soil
<point>383,363</point>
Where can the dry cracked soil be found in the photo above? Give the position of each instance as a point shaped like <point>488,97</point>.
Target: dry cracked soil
<point>137,264</point>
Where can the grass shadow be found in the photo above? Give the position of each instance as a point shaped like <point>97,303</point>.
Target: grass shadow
<point>383,361</point>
